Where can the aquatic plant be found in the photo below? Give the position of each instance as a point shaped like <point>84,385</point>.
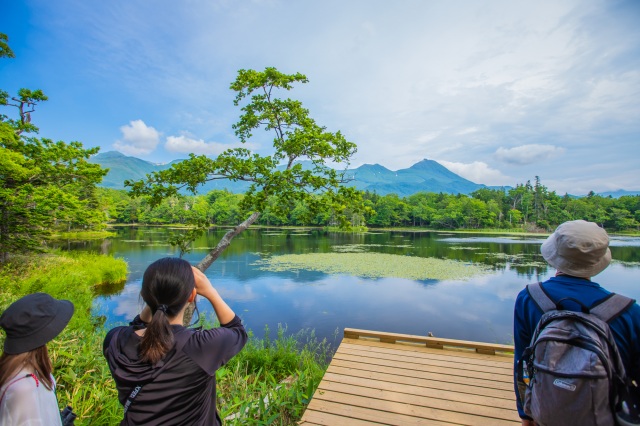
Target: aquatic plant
<point>374,265</point>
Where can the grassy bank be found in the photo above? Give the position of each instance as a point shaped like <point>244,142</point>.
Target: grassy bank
<point>72,276</point>
<point>81,235</point>
<point>83,378</point>
<point>269,382</point>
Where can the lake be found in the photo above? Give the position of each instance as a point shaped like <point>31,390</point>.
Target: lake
<point>476,308</point>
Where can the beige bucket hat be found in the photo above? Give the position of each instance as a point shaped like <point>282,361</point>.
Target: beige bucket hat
<point>578,248</point>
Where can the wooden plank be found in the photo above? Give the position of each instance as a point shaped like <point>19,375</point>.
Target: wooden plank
<point>419,351</point>
<point>489,348</point>
<point>503,374</point>
<point>440,375</point>
<point>404,408</point>
<point>453,381</point>
<point>422,362</point>
<point>370,415</point>
<point>488,397</point>
<point>404,382</point>
<point>330,419</point>
<point>456,406</point>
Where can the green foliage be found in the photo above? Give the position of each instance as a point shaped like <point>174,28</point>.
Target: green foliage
<point>44,185</point>
<point>74,276</point>
<point>83,377</point>
<point>5,50</point>
<point>484,209</point>
<point>272,381</point>
<point>528,207</point>
<point>82,235</point>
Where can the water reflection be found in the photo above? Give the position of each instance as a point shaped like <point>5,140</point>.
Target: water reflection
<point>476,309</point>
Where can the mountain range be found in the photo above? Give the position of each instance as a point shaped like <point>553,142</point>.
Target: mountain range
<point>425,175</point>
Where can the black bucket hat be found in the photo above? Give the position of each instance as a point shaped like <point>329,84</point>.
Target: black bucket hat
<point>34,320</point>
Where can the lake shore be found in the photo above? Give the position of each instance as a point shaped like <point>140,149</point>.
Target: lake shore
<point>493,231</point>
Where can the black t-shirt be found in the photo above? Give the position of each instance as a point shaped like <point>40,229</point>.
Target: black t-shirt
<point>182,392</point>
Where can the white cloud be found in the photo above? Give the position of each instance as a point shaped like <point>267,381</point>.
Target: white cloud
<point>478,172</point>
<point>185,144</point>
<point>428,136</point>
<point>528,154</point>
<point>467,131</point>
<point>137,138</point>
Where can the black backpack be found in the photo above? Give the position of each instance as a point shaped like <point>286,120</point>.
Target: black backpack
<point>572,372</point>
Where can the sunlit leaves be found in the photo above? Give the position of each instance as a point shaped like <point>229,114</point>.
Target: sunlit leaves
<point>5,50</point>
<point>44,184</point>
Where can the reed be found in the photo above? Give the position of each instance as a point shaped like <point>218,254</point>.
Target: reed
<point>271,381</point>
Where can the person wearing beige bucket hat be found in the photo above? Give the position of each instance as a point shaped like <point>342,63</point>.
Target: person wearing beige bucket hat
<point>27,387</point>
<point>578,250</point>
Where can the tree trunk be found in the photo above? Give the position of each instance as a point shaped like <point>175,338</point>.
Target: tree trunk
<point>215,253</point>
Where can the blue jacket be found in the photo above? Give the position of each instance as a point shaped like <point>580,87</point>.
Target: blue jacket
<point>625,328</point>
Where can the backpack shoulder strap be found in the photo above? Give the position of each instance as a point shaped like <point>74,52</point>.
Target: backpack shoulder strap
<point>611,307</point>
<point>541,299</point>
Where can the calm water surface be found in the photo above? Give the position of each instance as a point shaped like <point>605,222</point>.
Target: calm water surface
<point>480,308</point>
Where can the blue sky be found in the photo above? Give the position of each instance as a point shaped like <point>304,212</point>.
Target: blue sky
<point>497,91</point>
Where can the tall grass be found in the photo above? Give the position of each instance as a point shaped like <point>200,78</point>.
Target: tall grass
<point>82,375</point>
<point>81,235</point>
<point>269,382</point>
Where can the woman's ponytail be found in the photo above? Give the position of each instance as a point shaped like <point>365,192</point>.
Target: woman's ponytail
<point>167,285</point>
<point>157,339</point>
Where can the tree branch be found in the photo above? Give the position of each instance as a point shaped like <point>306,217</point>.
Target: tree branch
<point>225,241</point>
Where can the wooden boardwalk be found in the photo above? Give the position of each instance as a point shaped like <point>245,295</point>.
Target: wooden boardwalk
<point>395,379</point>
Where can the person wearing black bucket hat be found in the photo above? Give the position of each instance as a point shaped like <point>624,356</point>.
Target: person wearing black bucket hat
<point>27,387</point>
<point>578,250</point>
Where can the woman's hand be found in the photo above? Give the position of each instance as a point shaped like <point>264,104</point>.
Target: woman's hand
<point>205,289</point>
<point>203,285</point>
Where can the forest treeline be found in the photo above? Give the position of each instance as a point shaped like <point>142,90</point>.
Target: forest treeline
<point>529,207</point>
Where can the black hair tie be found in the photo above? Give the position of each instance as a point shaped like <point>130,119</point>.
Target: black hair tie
<point>163,308</point>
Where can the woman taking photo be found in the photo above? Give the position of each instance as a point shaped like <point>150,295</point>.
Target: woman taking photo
<point>27,387</point>
<point>166,373</point>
